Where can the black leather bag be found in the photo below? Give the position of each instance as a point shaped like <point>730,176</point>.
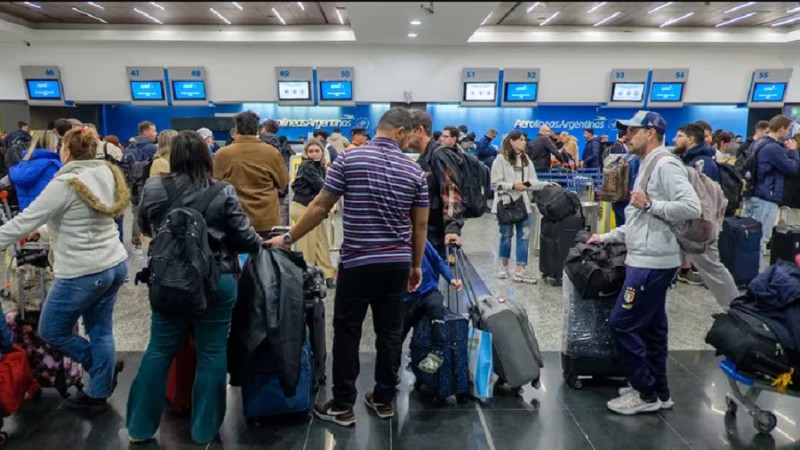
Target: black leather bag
<point>596,270</point>
<point>555,203</point>
<point>513,212</point>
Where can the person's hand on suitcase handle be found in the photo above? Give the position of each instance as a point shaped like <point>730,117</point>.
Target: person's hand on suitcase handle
<point>594,239</point>
<point>456,283</point>
<point>414,279</point>
<point>452,238</point>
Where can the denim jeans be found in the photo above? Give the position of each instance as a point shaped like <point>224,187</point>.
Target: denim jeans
<point>506,232</point>
<point>764,212</point>
<point>167,334</point>
<point>92,297</point>
<point>119,221</point>
<point>6,338</point>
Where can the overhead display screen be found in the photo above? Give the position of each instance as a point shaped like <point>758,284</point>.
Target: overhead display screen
<point>667,92</point>
<point>147,90</point>
<point>336,90</point>
<point>44,89</point>
<point>769,92</point>
<point>480,92</point>
<point>521,92</point>
<point>294,90</point>
<point>627,92</point>
<point>189,90</point>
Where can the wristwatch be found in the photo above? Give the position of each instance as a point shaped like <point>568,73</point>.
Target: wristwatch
<point>287,239</point>
<point>647,205</point>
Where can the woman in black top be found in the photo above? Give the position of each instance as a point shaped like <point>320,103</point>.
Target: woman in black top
<point>308,182</point>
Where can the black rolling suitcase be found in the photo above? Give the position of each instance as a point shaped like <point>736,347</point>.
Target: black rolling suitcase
<point>588,348</point>
<point>556,238</point>
<point>740,248</point>
<point>785,243</point>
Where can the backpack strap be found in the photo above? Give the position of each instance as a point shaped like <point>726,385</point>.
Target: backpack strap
<point>174,196</point>
<point>651,168</point>
<point>202,202</point>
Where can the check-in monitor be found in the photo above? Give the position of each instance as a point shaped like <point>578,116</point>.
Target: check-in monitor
<point>147,90</point>
<point>189,90</point>
<point>44,89</point>
<point>627,92</point>
<point>336,90</point>
<point>666,92</point>
<point>294,90</point>
<point>769,92</point>
<point>521,92</point>
<point>480,91</point>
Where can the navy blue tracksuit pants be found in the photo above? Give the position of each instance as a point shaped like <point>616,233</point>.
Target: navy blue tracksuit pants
<point>639,323</point>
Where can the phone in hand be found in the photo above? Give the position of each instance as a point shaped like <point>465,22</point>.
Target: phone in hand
<point>527,183</point>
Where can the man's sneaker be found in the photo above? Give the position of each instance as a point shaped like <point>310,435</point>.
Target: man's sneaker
<point>137,249</point>
<point>327,412</point>
<point>82,402</point>
<point>665,403</point>
<point>632,403</point>
<point>383,410</point>
<point>503,274</point>
<point>691,278</point>
<point>523,277</point>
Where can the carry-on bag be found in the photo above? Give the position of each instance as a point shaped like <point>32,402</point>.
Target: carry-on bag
<point>452,378</point>
<point>556,203</point>
<point>785,243</point>
<point>556,238</point>
<point>588,348</point>
<point>16,383</point>
<point>740,248</point>
<point>262,394</point>
<point>596,270</point>
<point>314,291</point>
<point>180,380</point>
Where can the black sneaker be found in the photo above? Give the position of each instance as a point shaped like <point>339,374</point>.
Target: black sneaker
<point>327,412</point>
<point>383,410</point>
<point>691,278</point>
<point>82,402</point>
<point>119,367</point>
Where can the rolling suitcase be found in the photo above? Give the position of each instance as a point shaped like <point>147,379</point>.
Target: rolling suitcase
<point>262,394</point>
<point>314,292</point>
<point>452,378</point>
<point>785,243</point>
<point>16,382</point>
<point>587,343</point>
<point>180,380</point>
<point>740,248</point>
<point>556,239</point>
<point>515,349</point>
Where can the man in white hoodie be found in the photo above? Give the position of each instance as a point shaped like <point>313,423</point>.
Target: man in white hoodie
<point>662,195</point>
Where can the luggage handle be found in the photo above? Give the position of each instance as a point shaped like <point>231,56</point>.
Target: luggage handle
<point>461,273</point>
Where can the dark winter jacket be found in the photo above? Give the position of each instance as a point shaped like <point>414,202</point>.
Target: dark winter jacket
<point>592,152</point>
<point>706,154</point>
<point>774,164</point>
<point>15,135</point>
<point>539,151</point>
<point>791,191</point>
<point>229,230</point>
<point>141,149</point>
<point>285,149</point>
<point>308,182</point>
<point>268,319</point>
<point>485,152</point>
<point>774,296</point>
<point>30,177</point>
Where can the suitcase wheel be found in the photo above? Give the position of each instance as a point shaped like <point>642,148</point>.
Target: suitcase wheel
<point>732,406</point>
<point>573,381</point>
<point>461,399</point>
<point>765,422</point>
<point>3,438</point>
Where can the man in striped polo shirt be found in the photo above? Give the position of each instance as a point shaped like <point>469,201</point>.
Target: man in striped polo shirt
<point>385,227</point>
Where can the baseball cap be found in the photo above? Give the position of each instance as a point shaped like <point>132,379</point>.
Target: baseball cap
<point>361,131</point>
<point>205,133</point>
<point>644,119</point>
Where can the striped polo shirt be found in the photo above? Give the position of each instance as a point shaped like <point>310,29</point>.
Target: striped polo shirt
<point>380,185</point>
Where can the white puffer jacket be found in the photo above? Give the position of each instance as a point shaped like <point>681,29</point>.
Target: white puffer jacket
<point>78,206</point>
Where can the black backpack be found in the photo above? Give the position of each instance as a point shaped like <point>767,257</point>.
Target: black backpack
<point>136,174</point>
<point>749,167</point>
<point>475,184</point>
<point>556,203</point>
<point>182,272</point>
<point>13,155</point>
<point>732,185</point>
<point>596,270</point>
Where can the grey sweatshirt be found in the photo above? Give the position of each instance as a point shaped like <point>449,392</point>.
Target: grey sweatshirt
<point>650,242</point>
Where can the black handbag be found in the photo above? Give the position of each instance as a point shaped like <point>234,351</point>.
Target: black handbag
<point>513,212</point>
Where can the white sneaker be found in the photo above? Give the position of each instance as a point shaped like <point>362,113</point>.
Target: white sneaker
<point>137,250</point>
<point>631,404</point>
<point>665,404</point>
<point>503,274</point>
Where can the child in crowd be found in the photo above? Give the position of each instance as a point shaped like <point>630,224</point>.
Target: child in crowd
<point>427,302</point>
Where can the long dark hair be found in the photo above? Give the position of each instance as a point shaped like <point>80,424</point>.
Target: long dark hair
<point>190,155</point>
<point>508,151</point>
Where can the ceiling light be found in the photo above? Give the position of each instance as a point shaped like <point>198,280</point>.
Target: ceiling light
<point>216,13</point>
<point>157,5</point>
<point>339,13</point>
<point>274,11</point>
<point>530,8</point>
<point>675,20</point>
<point>487,18</point>
<point>32,5</point>
<point>597,6</point>
<point>416,22</point>
<point>727,22</point>
<point>786,21</point>
<point>139,11</point>
<point>607,19</point>
<point>95,5</point>
<point>300,4</point>
<point>736,8</point>
<point>546,21</point>
<point>793,10</point>
<point>659,8</point>
<point>77,10</point>
<point>412,35</point>
<point>236,4</point>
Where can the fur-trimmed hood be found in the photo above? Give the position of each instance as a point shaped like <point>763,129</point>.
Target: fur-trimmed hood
<point>99,184</point>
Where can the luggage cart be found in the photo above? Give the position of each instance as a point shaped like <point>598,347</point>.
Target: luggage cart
<point>763,421</point>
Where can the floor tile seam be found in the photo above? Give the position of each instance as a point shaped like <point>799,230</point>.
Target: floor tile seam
<point>685,368</point>
<point>485,425</point>
<point>313,417</point>
<point>674,430</point>
<point>585,434</point>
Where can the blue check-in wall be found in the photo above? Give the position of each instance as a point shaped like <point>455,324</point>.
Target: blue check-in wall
<point>296,121</point>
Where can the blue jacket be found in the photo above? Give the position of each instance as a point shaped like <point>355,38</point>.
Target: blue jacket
<point>774,296</point>
<point>30,177</point>
<point>592,152</point>
<point>774,163</point>
<point>14,135</point>
<point>142,149</point>
<point>706,154</point>
<point>433,266</point>
<point>485,152</point>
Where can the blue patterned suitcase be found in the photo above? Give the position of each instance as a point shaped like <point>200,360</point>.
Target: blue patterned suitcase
<point>740,248</point>
<point>453,377</point>
<point>262,394</point>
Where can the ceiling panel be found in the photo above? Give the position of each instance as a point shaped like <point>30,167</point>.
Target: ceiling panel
<point>177,13</point>
<point>635,14</point>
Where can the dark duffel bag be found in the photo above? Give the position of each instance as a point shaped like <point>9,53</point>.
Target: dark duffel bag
<point>555,203</point>
<point>596,270</point>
